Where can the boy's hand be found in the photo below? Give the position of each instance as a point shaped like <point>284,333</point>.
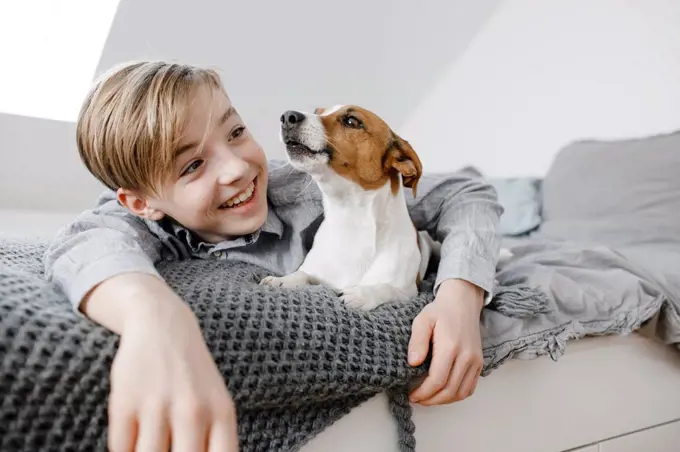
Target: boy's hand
<point>166,391</point>
<point>451,323</point>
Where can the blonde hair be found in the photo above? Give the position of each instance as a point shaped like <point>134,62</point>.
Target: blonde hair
<point>133,118</point>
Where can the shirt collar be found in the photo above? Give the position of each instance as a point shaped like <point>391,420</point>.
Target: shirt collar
<point>272,225</point>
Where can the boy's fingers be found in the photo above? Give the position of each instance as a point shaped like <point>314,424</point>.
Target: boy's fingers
<point>460,369</point>
<point>189,437</point>
<point>440,369</point>
<point>419,343</point>
<point>448,393</point>
<point>469,383</point>
<point>122,432</point>
<point>154,433</point>
<point>223,437</point>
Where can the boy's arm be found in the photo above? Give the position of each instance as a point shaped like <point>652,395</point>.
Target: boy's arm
<point>461,211</point>
<point>104,262</point>
<point>99,244</point>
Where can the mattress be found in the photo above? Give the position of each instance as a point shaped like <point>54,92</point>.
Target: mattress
<point>601,388</point>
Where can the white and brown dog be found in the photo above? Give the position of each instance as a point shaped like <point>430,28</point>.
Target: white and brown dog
<point>367,247</point>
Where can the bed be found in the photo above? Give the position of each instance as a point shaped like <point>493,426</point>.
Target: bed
<point>608,393</point>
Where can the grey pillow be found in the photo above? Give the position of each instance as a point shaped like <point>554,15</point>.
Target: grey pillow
<point>520,198</point>
<point>521,201</point>
<point>615,192</point>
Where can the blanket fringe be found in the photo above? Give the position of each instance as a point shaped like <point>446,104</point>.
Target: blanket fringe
<point>400,407</point>
<point>519,301</point>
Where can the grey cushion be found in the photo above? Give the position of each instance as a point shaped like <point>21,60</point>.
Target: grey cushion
<point>618,192</point>
<point>520,198</point>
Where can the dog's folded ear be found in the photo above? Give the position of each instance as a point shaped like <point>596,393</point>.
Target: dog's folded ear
<point>319,110</point>
<point>402,158</point>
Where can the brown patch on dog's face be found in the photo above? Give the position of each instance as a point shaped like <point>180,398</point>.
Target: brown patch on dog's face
<point>365,150</point>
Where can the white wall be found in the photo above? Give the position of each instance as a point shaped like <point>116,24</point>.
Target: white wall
<point>40,168</point>
<point>501,87</point>
<point>300,54</point>
<point>542,73</point>
<point>273,56</point>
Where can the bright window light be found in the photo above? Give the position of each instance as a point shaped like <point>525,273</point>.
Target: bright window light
<point>49,50</point>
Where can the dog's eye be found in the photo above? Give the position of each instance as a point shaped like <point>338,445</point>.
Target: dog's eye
<point>352,121</point>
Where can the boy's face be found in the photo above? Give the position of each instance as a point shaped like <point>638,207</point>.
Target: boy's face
<point>221,191</point>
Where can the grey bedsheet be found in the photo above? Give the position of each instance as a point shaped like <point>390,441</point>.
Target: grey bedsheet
<point>621,197</point>
<point>595,287</point>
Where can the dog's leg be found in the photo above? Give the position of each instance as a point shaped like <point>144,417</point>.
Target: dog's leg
<point>367,297</point>
<point>391,277</point>
<point>293,280</point>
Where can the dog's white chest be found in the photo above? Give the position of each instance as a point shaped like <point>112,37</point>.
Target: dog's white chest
<point>366,248</point>
<point>344,250</point>
<point>367,243</point>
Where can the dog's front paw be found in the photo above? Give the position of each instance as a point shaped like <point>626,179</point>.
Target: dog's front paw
<point>291,281</point>
<point>273,281</point>
<point>360,297</point>
<point>371,296</point>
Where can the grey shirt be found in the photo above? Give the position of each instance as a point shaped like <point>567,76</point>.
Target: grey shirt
<point>458,209</point>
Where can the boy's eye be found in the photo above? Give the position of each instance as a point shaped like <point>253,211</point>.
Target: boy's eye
<point>237,132</point>
<point>193,167</point>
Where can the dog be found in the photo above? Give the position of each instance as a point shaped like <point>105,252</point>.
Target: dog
<point>367,248</point>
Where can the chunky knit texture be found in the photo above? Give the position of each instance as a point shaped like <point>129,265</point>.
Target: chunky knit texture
<point>294,361</point>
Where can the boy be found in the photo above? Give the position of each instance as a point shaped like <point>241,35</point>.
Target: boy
<point>188,180</point>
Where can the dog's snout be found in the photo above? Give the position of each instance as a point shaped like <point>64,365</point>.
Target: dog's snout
<point>292,118</point>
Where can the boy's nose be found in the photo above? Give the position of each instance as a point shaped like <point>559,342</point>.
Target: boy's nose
<point>233,171</point>
<point>292,118</point>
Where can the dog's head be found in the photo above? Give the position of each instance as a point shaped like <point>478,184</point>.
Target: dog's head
<point>351,142</point>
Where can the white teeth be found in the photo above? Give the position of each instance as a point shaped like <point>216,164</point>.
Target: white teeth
<point>242,197</point>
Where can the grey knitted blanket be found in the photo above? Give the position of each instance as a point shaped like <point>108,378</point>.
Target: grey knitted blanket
<point>294,361</point>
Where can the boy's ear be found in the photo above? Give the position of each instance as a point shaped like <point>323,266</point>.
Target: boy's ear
<point>138,205</point>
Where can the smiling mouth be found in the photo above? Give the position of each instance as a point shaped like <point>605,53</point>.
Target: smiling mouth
<point>242,198</point>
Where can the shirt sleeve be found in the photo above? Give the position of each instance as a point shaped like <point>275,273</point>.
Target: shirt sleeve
<point>99,244</point>
<point>461,211</point>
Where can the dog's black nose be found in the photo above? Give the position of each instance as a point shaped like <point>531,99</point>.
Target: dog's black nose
<point>292,118</point>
